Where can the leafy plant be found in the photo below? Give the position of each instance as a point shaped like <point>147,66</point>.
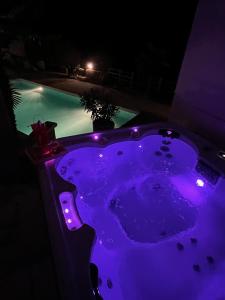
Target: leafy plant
<point>11,97</point>
<point>97,101</point>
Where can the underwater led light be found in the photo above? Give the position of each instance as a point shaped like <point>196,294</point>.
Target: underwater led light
<point>39,89</point>
<point>200,182</point>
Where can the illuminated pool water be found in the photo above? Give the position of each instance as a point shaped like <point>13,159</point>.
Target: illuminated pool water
<point>157,208</point>
<point>48,104</point>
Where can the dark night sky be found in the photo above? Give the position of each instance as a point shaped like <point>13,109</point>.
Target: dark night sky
<point>119,30</point>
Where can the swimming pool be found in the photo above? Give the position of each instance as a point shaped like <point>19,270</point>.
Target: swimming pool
<point>49,104</point>
<point>154,197</point>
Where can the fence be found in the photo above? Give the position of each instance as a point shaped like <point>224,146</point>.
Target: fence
<point>120,76</point>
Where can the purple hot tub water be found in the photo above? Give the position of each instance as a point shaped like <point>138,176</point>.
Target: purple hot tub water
<point>144,195</point>
<point>134,190</point>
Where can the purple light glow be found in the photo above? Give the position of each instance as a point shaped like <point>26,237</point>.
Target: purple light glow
<point>200,182</point>
<point>187,189</point>
<point>66,210</point>
<point>169,132</point>
<point>126,209</point>
<point>135,129</point>
<point>69,221</point>
<point>96,137</point>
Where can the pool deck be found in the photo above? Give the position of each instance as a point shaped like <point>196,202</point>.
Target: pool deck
<point>132,102</point>
<point>26,263</point>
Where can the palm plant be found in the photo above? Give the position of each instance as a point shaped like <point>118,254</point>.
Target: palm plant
<point>9,99</point>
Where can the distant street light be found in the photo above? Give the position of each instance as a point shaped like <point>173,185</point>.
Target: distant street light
<point>90,66</point>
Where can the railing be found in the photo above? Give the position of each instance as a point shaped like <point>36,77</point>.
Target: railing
<point>121,76</point>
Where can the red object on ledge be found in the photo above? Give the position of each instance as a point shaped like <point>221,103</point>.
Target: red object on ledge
<point>40,134</point>
<point>43,143</point>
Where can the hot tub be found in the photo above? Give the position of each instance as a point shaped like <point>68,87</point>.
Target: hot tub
<point>146,206</point>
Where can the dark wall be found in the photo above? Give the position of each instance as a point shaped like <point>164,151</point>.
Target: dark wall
<point>199,102</point>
